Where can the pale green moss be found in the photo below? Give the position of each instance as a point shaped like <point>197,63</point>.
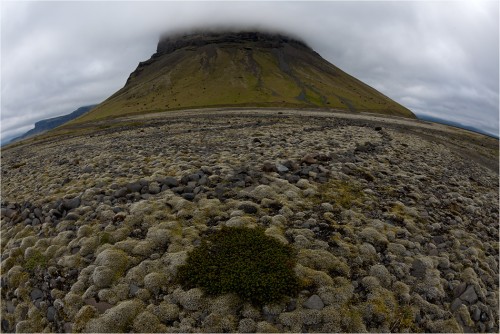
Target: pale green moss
<point>154,281</point>
<point>83,316</point>
<point>323,260</point>
<point>120,318</point>
<point>146,322</point>
<point>166,312</point>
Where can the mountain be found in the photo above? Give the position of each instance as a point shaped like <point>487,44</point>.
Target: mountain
<point>240,70</point>
<point>434,119</point>
<point>51,123</point>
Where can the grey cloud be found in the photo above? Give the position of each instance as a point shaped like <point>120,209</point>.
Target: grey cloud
<point>436,58</point>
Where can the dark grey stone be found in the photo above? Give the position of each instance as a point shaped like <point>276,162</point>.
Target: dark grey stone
<point>203,181</point>
<point>10,307</point>
<point>418,269</point>
<point>38,213</point>
<point>70,204</point>
<point>293,178</point>
<point>5,326</point>
<point>122,192</point>
<point>248,208</point>
<point>170,182</point>
<point>484,317</point>
<point>178,190</point>
<point>476,315</point>
<point>36,293</point>
<point>87,169</point>
<point>455,304</point>
<point>188,196</point>
<point>459,289</point>
<point>51,313</point>
<point>194,177</point>
<point>269,167</point>
<point>73,272</point>
<point>292,305</point>
<point>133,289</point>
<point>281,169</point>
<point>469,295</point>
<point>134,187</point>
<point>314,302</point>
<point>117,209</point>
<point>189,188</point>
<point>291,165</point>
<point>72,216</point>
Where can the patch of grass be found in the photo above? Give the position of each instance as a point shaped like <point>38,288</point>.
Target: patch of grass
<point>104,238</point>
<point>342,193</point>
<point>243,261</point>
<point>37,260</point>
<point>404,320</point>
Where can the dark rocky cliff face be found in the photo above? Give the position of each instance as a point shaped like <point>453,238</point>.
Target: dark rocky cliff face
<point>168,43</point>
<point>51,123</point>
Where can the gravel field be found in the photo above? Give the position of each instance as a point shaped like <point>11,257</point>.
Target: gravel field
<point>395,223</point>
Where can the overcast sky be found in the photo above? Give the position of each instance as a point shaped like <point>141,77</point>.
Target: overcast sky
<point>436,58</point>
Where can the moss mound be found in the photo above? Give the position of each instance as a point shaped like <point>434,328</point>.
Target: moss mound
<point>243,261</point>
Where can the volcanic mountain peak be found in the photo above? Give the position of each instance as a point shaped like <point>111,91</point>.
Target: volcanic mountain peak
<point>240,69</point>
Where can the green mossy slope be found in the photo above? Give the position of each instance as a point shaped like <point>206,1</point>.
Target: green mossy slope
<point>232,72</point>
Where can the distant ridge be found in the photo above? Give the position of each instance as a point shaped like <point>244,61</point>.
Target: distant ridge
<point>240,69</point>
<point>456,124</point>
<point>51,123</point>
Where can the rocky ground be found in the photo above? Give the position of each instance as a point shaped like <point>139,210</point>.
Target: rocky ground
<point>395,223</point>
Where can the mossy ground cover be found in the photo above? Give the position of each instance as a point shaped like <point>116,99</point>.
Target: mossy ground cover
<point>243,261</point>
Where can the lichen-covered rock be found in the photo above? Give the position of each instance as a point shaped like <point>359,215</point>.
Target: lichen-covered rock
<point>310,276</point>
<point>146,322</point>
<point>380,307</point>
<point>154,281</point>
<point>114,259</point>
<point>144,248</point>
<point>220,323</point>
<point>444,326</point>
<point>339,293</point>
<point>117,319</point>
<point>379,271</point>
<point>27,326</point>
<point>368,253</point>
<point>374,237</point>
<point>103,276</point>
<point>190,300</point>
<point>343,318</point>
<point>72,304</point>
<point>320,259</point>
<point>83,316</point>
<point>225,304</point>
<point>247,325</point>
<point>262,191</point>
<point>165,312</point>
<point>401,291</point>
<point>266,327</point>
